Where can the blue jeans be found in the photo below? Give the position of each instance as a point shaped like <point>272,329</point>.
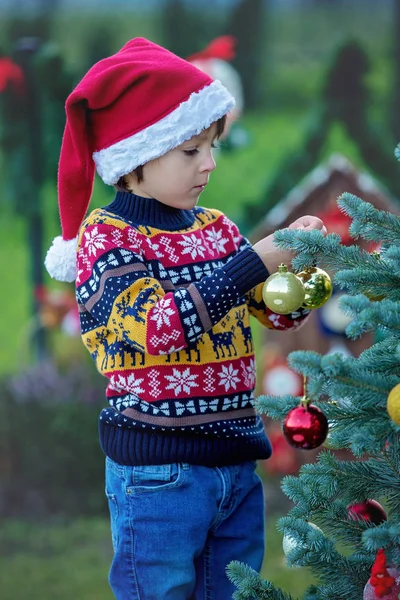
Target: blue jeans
<point>176,527</point>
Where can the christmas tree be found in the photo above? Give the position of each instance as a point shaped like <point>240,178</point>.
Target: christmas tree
<point>345,520</point>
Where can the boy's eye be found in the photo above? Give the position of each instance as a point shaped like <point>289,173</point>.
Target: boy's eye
<point>191,152</point>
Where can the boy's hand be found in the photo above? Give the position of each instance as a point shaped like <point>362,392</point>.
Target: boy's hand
<point>272,256</point>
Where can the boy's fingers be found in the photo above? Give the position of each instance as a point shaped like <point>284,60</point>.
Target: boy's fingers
<point>308,223</point>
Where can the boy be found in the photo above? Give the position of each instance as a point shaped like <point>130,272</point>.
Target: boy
<point>165,289</point>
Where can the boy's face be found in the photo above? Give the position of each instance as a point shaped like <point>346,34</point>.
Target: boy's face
<point>178,178</point>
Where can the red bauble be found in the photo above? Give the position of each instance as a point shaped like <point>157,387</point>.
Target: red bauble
<point>305,427</point>
<point>370,510</point>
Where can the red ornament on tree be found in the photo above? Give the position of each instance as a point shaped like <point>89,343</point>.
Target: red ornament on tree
<point>370,510</point>
<point>383,583</point>
<point>305,426</point>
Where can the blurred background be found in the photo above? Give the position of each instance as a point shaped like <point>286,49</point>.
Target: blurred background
<point>317,84</point>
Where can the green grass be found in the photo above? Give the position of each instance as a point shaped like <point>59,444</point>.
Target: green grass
<point>71,560</point>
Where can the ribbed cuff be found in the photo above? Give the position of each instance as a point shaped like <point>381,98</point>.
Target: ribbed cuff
<point>135,447</point>
<point>246,270</point>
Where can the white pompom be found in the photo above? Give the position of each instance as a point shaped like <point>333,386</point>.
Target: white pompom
<point>60,260</point>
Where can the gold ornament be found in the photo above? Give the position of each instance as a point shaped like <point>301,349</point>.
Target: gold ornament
<point>317,286</point>
<point>393,404</point>
<point>283,292</point>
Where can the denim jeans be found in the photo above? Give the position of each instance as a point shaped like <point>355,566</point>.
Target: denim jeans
<point>176,527</point>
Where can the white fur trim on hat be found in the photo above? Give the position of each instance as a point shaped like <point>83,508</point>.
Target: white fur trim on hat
<point>226,74</point>
<point>60,260</point>
<point>191,117</point>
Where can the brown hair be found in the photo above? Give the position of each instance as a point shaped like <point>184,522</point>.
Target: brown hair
<point>120,186</point>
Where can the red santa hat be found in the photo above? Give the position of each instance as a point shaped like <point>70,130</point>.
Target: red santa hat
<point>128,109</point>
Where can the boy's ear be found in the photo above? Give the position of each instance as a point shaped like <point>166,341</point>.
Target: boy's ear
<point>130,180</point>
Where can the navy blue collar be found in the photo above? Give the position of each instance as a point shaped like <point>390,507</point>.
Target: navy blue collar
<point>150,212</point>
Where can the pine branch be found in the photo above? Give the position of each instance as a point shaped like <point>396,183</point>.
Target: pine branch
<point>368,222</point>
<point>250,586</point>
<point>370,316</point>
<point>312,246</point>
<point>383,356</point>
<point>387,536</point>
<point>275,407</point>
<point>311,548</point>
<point>372,478</point>
<point>383,281</point>
<point>337,369</point>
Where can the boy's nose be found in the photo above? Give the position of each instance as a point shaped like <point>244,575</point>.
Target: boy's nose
<point>208,163</point>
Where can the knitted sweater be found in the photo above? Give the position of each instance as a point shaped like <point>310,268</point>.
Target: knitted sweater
<point>164,297</point>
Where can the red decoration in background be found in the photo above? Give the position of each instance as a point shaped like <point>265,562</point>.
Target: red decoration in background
<point>305,427</point>
<point>11,75</point>
<point>384,582</point>
<point>284,460</point>
<point>338,222</point>
<point>370,510</point>
<point>279,379</point>
<point>222,47</point>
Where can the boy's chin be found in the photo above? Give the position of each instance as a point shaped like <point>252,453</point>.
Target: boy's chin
<point>189,202</point>
<point>183,204</point>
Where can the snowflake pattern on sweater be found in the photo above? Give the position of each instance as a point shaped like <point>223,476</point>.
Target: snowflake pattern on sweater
<point>164,297</point>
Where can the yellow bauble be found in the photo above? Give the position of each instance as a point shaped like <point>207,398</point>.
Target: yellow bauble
<point>317,286</point>
<point>393,404</point>
<point>283,292</point>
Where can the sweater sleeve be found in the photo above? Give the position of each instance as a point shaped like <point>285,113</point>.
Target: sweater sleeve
<point>122,292</point>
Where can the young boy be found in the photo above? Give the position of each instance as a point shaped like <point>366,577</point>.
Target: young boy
<point>165,289</point>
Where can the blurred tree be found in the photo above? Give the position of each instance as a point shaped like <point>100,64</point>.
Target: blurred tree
<point>50,85</point>
<point>344,99</point>
<point>187,29</point>
<point>100,44</point>
<point>396,71</point>
<point>55,83</point>
<point>31,19</point>
<point>328,3</point>
<point>13,127</point>
<point>345,94</point>
<point>248,25</point>
<point>31,129</point>
<point>27,166</point>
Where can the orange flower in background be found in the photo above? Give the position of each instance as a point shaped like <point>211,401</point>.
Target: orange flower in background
<point>58,308</point>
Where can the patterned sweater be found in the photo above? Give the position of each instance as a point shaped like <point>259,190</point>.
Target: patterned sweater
<point>164,297</point>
